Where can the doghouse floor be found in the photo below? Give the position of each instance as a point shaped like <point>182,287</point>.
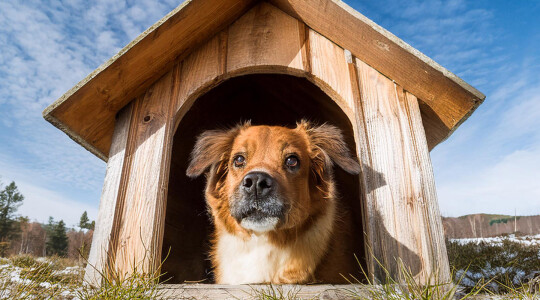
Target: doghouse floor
<point>263,99</point>
<point>217,291</point>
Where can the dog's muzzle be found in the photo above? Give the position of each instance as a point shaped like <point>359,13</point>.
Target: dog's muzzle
<point>257,205</point>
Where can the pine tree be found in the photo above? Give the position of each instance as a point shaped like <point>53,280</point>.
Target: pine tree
<point>84,222</point>
<point>57,243</point>
<point>10,200</point>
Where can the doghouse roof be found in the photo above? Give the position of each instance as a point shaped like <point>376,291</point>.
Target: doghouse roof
<point>86,113</point>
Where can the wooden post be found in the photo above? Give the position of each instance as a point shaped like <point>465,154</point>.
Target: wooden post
<point>140,213</point>
<point>132,213</point>
<point>402,217</point>
<point>97,258</point>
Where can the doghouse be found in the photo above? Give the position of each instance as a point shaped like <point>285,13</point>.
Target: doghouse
<point>212,63</point>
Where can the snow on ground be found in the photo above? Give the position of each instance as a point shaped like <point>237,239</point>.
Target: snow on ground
<point>529,240</point>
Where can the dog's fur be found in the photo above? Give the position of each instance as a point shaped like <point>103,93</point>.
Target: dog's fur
<point>304,235</point>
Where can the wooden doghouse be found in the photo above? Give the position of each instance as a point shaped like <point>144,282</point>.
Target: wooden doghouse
<point>212,63</point>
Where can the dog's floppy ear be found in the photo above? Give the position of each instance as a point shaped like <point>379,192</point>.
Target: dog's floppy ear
<point>328,147</point>
<point>212,147</point>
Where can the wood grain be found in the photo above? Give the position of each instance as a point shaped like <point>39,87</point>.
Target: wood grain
<point>202,67</point>
<point>329,67</point>
<point>98,256</point>
<point>138,232</point>
<point>217,291</point>
<point>402,215</point>
<point>264,36</point>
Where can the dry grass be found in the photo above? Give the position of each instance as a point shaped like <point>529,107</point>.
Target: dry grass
<point>506,268</point>
<point>273,292</point>
<point>26,277</point>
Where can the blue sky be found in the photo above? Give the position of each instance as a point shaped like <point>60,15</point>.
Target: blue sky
<point>491,164</point>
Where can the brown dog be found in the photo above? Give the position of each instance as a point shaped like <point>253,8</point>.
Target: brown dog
<point>271,194</point>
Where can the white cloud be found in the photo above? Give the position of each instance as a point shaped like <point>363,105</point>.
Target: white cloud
<point>45,48</point>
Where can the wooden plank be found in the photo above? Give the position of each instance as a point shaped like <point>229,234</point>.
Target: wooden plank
<point>329,68</point>
<point>265,37</point>
<point>98,256</point>
<point>401,204</point>
<point>429,218</point>
<point>447,95</point>
<point>202,68</point>
<point>86,112</point>
<point>138,231</point>
<point>285,291</point>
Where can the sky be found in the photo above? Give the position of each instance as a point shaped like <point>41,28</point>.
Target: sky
<point>491,164</point>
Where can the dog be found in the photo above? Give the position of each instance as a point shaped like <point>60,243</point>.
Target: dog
<point>271,194</point>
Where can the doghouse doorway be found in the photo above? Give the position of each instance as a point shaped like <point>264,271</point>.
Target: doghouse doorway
<point>271,99</point>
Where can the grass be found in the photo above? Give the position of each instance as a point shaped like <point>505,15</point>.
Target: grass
<point>135,286</point>
<point>507,267</point>
<point>405,286</point>
<point>25,277</point>
<point>273,292</point>
<point>478,270</point>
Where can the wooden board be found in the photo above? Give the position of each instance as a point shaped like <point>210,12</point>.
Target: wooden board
<point>217,291</point>
<point>320,292</point>
<point>98,256</point>
<point>401,204</point>
<point>202,67</point>
<point>265,37</point>
<point>329,68</point>
<point>140,213</point>
<point>452,99</point>
<point>86,112</point>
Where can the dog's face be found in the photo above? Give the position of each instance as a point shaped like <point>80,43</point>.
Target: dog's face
<point>265,178</point>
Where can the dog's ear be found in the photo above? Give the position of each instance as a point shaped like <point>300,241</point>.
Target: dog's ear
<point>211,148</point>
<point>328,147</point>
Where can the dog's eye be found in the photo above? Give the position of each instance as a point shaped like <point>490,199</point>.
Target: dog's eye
<point>292,161</point>
<point>239,161</point>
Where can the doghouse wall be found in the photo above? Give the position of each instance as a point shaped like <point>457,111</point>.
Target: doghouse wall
<point>263,99</point>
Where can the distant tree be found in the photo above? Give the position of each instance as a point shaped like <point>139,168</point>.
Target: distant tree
<point>57,242</point>
<point>31,240</point>
<point>4,247</point>
<point>84,222</point>
<point>49,228</point>
<point>79,244</point>
<point>23,226</point>
<point>10,200</point>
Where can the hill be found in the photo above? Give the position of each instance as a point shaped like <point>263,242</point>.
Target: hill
<point>485,225</point>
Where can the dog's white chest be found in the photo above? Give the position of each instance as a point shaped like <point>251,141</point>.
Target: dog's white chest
<point>249,261</point>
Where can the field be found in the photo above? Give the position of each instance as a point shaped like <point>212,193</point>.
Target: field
<point>500,268</point>
<point>498,264</point>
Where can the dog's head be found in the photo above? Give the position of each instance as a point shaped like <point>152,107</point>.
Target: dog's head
<point>264,178</point>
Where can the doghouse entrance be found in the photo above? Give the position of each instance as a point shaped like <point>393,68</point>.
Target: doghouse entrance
<point>264,99</point>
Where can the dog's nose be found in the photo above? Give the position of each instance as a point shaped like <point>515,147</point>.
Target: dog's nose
<point>258,184</point>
